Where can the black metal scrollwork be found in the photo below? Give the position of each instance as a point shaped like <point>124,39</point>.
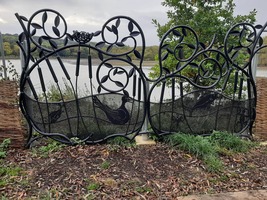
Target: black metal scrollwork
<point>200,87</point>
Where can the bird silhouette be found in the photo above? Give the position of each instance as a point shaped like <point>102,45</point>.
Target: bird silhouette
<point>117,116</point>
<point>55,115</point>
<point>204,101</point>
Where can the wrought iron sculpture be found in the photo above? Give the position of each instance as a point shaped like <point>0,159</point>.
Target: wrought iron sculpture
<point>207,89</point>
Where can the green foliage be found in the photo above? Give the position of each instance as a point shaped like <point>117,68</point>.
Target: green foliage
<point>54,94</point>
<point>93,185</point>
<point>3,147</point>
<point>209,148</point>
<point>10,46</point>
<point>105,164</point>
<point>205,17</point>
<point>263,54</point>
<point>231,142</point>
<point>195,145</point>
<point>51,147</point>
<point>120,141</point>
<point>8,173</point>
<point>143,189</point>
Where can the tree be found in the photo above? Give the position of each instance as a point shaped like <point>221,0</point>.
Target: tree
<point>7,48</point>
<point>206,17</point>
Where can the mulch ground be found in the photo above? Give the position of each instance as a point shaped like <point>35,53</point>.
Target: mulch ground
<point>138,172</point>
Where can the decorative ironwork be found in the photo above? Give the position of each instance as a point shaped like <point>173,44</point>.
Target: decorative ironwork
<point>101,93</point>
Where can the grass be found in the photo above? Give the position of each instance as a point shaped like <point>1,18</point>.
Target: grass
<point>105,165</point>
<point>210,148</point>
<point>231,142</point>
<point>44,151</point>
<point>115,143</point>
<point>9,174</point>
<point>3,147</point>
<point>93,185</point>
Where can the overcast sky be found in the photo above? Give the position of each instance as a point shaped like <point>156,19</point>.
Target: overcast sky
<point>89,15</point>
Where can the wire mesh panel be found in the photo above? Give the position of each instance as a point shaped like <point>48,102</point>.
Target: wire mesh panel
<point>206,87</point>
<point>74,89</point>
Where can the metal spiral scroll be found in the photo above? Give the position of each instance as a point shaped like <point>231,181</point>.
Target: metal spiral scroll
<point>181,45</point>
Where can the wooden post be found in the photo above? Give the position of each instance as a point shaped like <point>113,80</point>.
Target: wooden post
<point>3,55</point>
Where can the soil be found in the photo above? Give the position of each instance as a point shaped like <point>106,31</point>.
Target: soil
<point>136,172</point>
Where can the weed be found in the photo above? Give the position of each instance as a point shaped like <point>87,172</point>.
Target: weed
<point>44,151</point>
<point>144,189</point>
<point>7,174</point>
<point>3,146</point>
<point>120,141</point>
<point>93,186</point>
<point>213,163</point>
<point>105,165</point>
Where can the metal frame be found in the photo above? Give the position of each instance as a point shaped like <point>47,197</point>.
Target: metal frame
<point>205,87</point>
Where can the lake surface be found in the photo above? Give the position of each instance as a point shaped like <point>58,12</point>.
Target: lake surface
<point>83,81</point>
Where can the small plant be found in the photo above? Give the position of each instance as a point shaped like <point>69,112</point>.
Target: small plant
<point>105,165</point>
<point>144,189</point>
<point>120,141</point>
<point>3,146</point>
<point>7,174</point>
<point>44,151</point>
<point>93,185</point>
<point>213,163</point>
